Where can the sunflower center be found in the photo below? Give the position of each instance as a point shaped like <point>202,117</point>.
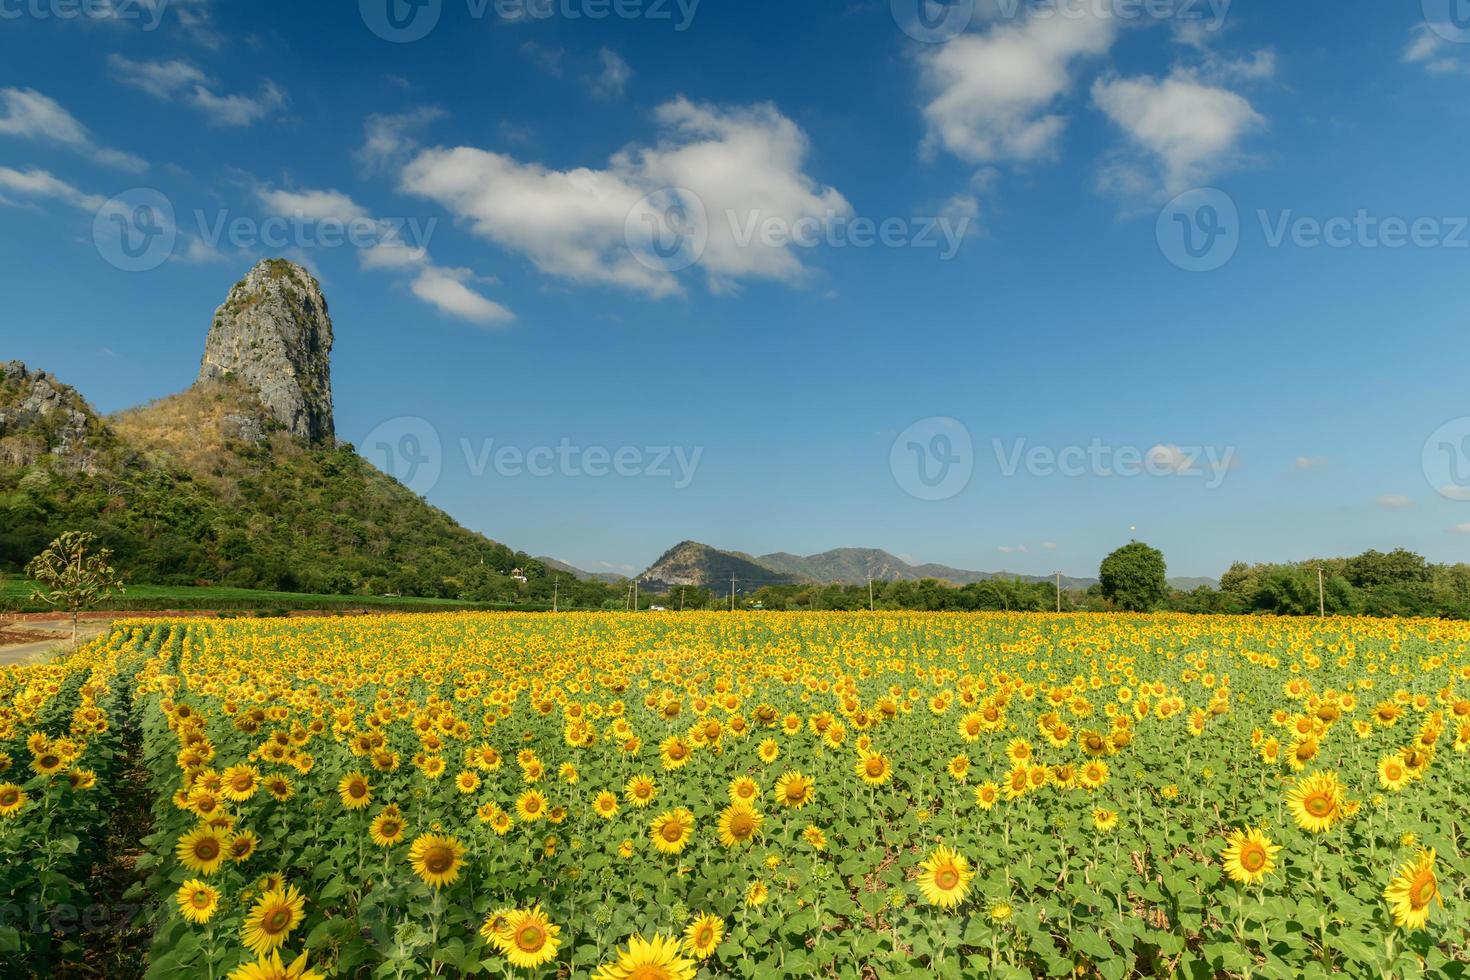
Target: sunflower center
<point>672,831</point>
<point>200,900</point>
<point>439,860</point>
<point>947,879</point>
<point>1319,804</point>
<point>9,797</point>
<point>741,824</point>
<point>875,767</point>
<point>530,938</point>
<point>207,849</point>
<point>1252,857</point>
<point>276,920</point>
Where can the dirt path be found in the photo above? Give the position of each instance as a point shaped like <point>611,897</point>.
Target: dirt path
<point>39,651</point>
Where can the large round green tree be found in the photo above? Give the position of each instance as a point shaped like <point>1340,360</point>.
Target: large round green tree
<point>1133,577</point>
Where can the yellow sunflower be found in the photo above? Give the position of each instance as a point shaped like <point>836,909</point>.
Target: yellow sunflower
<point>1412,891</point>
<point>795,790</point>
<point>986,795</point>
<point>649,959</point>
<point>1316,802</point>
<point>873,768</point>
<point>529,938</point>
<point>197,900</point>
<point>814,837</point>
<point>739,823</point>
<point>605,805</point>
<point>1392,773</point>
<point>355,791</point>
<point>436,858</point>
<point>703,935</point>
<point>271,968</point>
<point>12,799</point>
<point>944,877</point>
<point>671,830</point>
<point>1104,819</point>
<point>201,850</point>
<point>640,790</point>
<point>271,920</point>
<point>531,805</point>
<point>387,829</point>
<point>1249,856</point>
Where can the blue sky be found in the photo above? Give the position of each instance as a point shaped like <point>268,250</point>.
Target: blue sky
<point>1280,395</point>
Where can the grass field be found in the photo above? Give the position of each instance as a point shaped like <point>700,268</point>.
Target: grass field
<point>765,795</point>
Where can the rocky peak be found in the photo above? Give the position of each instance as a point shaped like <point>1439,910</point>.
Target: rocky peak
<point>274,335</point>
<point>40,414</point>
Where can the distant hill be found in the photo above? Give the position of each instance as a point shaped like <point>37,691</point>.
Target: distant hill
<point>692,563</point>
<point>553,565</point>
<point>237,481</point>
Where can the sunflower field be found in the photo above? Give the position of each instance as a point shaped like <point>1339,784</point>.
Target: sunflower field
<point>645,796</point>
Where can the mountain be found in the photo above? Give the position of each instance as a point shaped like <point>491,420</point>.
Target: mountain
<point>691,563</point>
<point>239,479</point>
<point>552,565</point>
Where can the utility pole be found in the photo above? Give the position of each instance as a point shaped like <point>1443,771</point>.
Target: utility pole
<point>555,589</point>
<point>1059,591</point>
<point>635,595</point>
<point>681,598</point>
<point>732,593</point>
<point>870,593</point>
<point>1321,599</point>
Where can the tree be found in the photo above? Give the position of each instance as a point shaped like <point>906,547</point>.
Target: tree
<point>1133,577</point>
<point>68,577</point>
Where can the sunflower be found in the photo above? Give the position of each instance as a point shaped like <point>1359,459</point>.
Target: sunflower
<point>768,751</point>
<point>436,858</point>
<point>242,845</point>
<point>387,829</point>
<point>531,805</point>
<point>271,920</point>
<point>467,782</point>
<point>703,935</point>
<point>640,790</point>
<point>529,938</point>
<point>495,926</point>
<point>605,805</point>
<point>739,823</point>
<point>671,830</point>
<point>675,753</point>
<point>1104,819</point>
<point>197,901</point>
<point>986,794</point>
<point>756,894</point>
<point>959,767</point>
<point>795,790</point>
<point>1392,773</point>
<point>873,768</point>
<point>1250,856</point>
<point>649,959</point>
<point>12,799</point>
<point>1093,775</point>
<point>280,788</point>
<point>743,789</point>
<point>201,850</point>
<point>355,791</point>
<point>814,837</point>
<point>1316,802</point>
<point>240,783</point>
<point>271,968</point>
<point>1412,891</point>
<point>944,878</point>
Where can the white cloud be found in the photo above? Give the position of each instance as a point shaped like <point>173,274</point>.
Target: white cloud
<point>613,79</point>
<point>1434,52</point>
<point>1007,549</point>
<point>994,96</point>
<point>43,184</point>
<point>1461,529</point>
<point>1454,492</point>
<point>389,139</point>
<point>27,114</point>
<point>440,287</point>
<point>1171,457</point>
<point>445,289</point>
<point>1049,545</point>
<point>1186,129</point>
<point>570,223</point>
<point>179,81</point>
<point>545,58</point>
<point>1394,501</point>
<point>1310,462</point>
